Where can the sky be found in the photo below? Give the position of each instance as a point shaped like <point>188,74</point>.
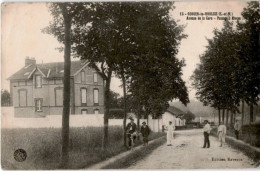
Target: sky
<point>21,36</point>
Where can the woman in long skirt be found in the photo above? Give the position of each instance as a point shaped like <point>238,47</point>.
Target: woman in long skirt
<point>170,128</point>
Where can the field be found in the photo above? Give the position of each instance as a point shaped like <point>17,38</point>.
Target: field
<point>43,147</point>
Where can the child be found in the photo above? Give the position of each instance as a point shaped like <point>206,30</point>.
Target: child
<point>145,131</point>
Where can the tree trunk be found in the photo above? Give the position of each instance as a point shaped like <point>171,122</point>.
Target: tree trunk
<point>251,113</point>
<point>243,112</point>
<point>227,117</point>
<point>231,119</point>
<point>66,91</point>
<point>223,115</point>
<point>219,116</point>
<point>125,115</point>
<point>138,122</point>
<point>106,107</point>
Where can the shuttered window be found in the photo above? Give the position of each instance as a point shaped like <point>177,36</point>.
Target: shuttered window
<point>83,92</point>
<point>96,96</point>
<point>95,78</point>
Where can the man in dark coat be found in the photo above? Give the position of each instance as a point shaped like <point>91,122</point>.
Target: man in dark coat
<point>131,131</point>
<point>145,131</point>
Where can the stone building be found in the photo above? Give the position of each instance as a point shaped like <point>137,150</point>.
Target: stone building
<point>37,89</point>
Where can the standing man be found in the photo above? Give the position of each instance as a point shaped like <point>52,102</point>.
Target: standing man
<point>206,130</point>
<point>145,131</point>
<point>222,133</point>
<point>170,128</point>
<point>237,128</point>
<point>131,131</point>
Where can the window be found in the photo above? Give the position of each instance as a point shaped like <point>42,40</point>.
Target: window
<point>83,95</point>
<point>22,97</point>
<point>38,105</point>
<point>95,96</point>
<point>38,81</point>
<point>84,111</point>
<point>82,76</point>
<point>95,78</point>
<point>96,111</point>
<point>58,96</point>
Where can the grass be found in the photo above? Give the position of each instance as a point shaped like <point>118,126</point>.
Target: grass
<point>43,147</point>
<point>245,148</point>
<point>245,136</point>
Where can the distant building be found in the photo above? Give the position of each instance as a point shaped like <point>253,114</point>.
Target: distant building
<point>174,115</point>
<point>37,89</point>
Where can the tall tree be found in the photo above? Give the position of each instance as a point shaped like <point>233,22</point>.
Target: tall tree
<point>64,15</point>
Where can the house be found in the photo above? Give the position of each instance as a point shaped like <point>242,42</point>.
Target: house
<point>174,115</point>
<point>37,89</point>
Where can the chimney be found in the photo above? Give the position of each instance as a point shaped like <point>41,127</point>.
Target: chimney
<point>29,61</point>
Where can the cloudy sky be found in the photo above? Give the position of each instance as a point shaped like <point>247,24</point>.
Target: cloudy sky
<point>22,36</point>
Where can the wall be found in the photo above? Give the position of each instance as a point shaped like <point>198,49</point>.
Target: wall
<point>9,121</point>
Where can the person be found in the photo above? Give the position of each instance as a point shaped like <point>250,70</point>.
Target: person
<point>170,128</point>
<point>206,131</point>
<point>145,131</point>
<point>222,130</point>
<point>131,131</point>
<point>237,128</point>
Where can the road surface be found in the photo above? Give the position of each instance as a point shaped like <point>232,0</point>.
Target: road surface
<point>187,153</point>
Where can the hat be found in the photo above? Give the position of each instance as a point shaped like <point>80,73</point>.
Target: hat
<point>131,118</point>
<point>144,122</point>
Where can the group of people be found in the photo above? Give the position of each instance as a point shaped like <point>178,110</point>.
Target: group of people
<point>132,132</point>
<point>222,130</point>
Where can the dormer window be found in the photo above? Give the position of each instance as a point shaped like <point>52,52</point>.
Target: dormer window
<point>38,81</point>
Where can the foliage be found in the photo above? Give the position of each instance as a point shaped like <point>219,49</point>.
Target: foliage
<point>112,38</point>
<point>229,69</point>
<point>189,116</point>
<point>5,98</point>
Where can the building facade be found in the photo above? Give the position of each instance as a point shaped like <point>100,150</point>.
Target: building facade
<point>37,89</point>
<point>174,115</point>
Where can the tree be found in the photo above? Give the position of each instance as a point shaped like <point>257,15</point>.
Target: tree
<point>214,78</point>
<point>248,53</point>
<point>64,15</point>
<point>117,42</point>
<point>5,98</point>
<point>229,70</point>
<point>189,116</point>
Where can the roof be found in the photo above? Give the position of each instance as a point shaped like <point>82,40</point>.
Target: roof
<point>49,70</point>
<point>175,111</point>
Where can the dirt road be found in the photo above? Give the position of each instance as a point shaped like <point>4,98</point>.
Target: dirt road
<point>187,153</point>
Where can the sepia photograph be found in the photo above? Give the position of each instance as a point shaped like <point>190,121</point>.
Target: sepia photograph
<point>130,85</point>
